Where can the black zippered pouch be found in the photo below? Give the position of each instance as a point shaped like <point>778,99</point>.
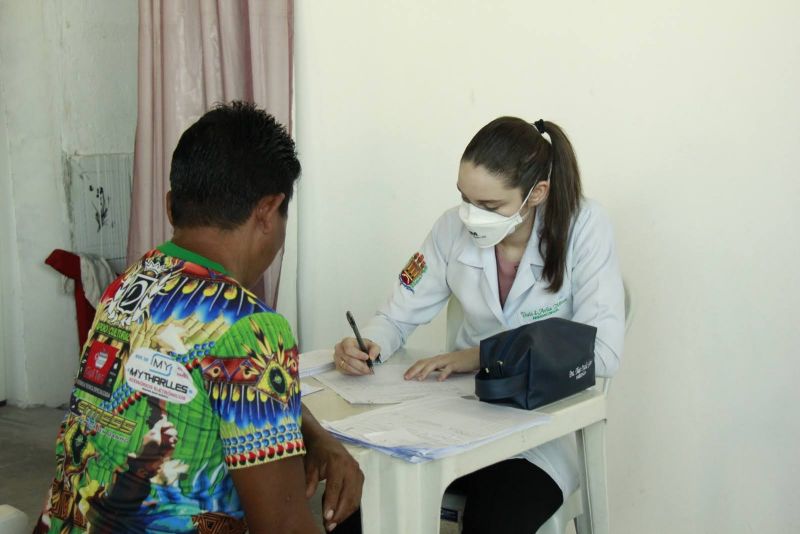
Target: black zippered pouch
<point>537,363</point>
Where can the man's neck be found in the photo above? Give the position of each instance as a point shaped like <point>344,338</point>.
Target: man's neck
<point>219,246</point>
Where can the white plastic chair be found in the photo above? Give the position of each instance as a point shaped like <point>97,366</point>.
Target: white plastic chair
<point>572,506</point>
<point>12,521</point>
<point>455,318</point>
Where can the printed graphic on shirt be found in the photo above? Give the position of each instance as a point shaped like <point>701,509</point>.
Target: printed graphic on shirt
<point>130,302</point>
<point>159,376</point>
<point>102,360</point>
<point>128,299</point>
<point>413,271</point>
<point>112,331</point>
<point>98,420</point>
<point>260,389</point>
<point>213,523</point>
<point>73,455</point>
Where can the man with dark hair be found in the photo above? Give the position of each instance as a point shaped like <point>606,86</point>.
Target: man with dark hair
<point>230,159</point>
<point>186,412</point>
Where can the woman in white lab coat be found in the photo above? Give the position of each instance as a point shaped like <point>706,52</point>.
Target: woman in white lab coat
<point>523,245</point>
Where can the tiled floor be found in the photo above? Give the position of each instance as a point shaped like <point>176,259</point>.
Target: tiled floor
<point>27,461</point>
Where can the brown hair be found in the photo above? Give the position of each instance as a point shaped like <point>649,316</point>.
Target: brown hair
<point>517,150</point>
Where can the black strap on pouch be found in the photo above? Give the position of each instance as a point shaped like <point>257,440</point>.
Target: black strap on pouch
<point>537,363</point>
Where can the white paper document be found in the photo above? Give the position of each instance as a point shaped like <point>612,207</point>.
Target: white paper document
<point>315,362</point>
<point>308,389</point>
<point>426,429</point>
<point>387,385</point>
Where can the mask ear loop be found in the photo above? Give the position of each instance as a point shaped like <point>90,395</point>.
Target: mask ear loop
<point>527,197</point>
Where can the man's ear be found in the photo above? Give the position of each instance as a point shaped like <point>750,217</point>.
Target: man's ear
<point>169,207</point>
<point>539,193</point>
<point>267,210</point>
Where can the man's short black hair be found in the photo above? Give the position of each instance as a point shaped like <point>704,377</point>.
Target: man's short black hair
<point>232,157</point>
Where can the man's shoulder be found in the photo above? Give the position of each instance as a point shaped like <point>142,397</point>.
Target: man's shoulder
<point>164,288</point>
<point>261,333</point>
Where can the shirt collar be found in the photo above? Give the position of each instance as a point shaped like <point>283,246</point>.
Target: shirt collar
<point>171,249</point>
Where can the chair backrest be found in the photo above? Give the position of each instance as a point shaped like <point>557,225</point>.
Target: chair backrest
<point>628,320</point>
<point>455,317</point>
<point>12,521</point>
<point>628,305</point>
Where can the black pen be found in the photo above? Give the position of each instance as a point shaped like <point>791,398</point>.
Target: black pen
<point>360,340</point>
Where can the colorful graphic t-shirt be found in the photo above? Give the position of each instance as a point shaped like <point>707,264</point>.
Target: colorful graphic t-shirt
<point>185,376</point>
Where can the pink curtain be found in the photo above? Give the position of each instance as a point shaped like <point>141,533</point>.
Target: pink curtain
<point>192,55</point>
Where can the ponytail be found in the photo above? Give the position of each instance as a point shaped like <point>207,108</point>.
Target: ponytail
<point>516,150</point>
<point>563,201</point>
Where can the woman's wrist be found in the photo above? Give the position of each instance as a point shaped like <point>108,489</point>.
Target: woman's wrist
<point>471,358</point>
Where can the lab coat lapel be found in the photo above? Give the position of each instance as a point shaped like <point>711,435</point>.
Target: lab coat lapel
<point>490,287</point>
<point>529,267</point>
<point>484,259</point>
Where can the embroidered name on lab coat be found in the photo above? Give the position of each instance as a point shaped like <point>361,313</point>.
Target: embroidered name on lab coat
<point>544,311</point>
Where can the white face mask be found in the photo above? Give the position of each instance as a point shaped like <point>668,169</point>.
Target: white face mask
<point>488,228</point>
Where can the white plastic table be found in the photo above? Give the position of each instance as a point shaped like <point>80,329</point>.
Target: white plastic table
<point>401,497</point>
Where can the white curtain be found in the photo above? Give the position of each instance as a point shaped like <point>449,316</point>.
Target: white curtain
<point>192,55</point>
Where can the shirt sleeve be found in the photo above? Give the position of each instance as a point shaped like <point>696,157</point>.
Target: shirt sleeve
<point>598,296</point>
<point>420,291</point>
<point>251,377</point>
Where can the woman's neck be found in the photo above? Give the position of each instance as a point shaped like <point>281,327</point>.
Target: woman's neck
<point>513,246</point>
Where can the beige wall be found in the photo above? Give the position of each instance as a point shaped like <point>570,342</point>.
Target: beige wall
<point>685,118</point>
<point>67,86</point>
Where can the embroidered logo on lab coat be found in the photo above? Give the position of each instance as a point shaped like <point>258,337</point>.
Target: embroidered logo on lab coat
<point>544,311</point>
<point>413,271</point>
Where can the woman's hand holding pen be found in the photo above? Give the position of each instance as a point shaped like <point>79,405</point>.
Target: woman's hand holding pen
<point>462,361</point>
<point>351,360</point>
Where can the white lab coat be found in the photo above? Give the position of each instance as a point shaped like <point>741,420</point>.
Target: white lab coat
<point>592,293</point>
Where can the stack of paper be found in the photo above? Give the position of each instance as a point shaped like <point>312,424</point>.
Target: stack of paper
<point>387,385</point>
<point>426,429</point>
<point>315,362</point>
<point>308,389</point>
